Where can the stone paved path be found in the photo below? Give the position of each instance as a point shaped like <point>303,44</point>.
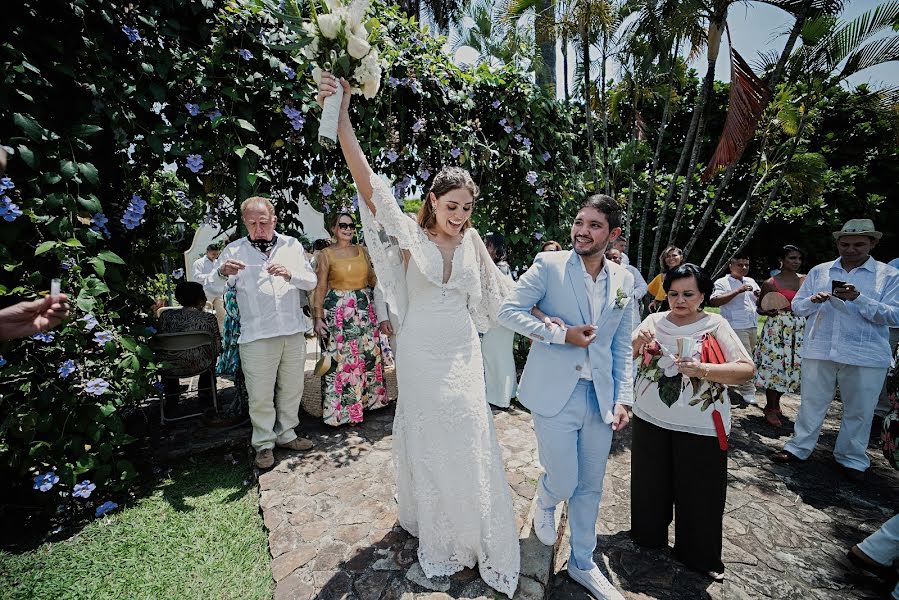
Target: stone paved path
<point>786,527</point>
<point>331,514</point>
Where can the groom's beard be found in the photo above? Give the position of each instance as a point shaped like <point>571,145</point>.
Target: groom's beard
<point>596,247</point>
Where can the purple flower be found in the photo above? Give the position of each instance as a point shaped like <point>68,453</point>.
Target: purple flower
<point>192,109</point>
<point>327,190</point>
<point>105,508</point>
<point>213,114</point>
<point>96,387</point>
<point>133,35</point>
<point>6,184</point>
<point>134,212</point>
<point>43,337</point>
<point>90,321</point>
<point>66,368</point>
<point>288,72</point>
<point>538,236</point>
<point>495,104</point>
<point>518,137</point>
<point>296,118</point>
<point>194,162</point>
<point>98,224</point>
<point>245,54</point>
<point>181,197</point>
<point>178,273</point>
<point>546,156</point>
<point>45,481</point>
<point>393,82</point>
<point>2,362</point>
<point>455,152</point>
<point>425,174</point>
<point>101,337</point>
<point>502,122</point>
<point>83,489</point>
<point>526,142</point>
<point>392,155</point>
<point>418,125</point>
<point>541,192</point>
<point>507,128</point>
<point>531,177</point>
<point>150,330</point>
<point>67,264</point>
<point>9,210</point>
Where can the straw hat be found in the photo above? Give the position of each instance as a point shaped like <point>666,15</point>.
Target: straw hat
<point>858,227</point>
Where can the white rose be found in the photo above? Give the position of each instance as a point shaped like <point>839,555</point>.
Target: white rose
<point>329,25</point>
<point>370,88</point>
<point>317,75</point>
<point>310,50</point>
<point>357,47</point>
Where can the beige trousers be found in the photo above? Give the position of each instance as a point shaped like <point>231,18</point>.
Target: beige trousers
<point>218,305</point>
<point>747,390</point>
<point>273,370</point>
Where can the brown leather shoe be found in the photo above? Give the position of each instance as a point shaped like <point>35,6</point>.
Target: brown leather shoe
<point>785,457</point>
<point>301,444</point>
<point>853,475</point>
<point>265,458</point>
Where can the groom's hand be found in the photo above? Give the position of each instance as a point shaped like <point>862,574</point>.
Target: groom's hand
<point>621,418</point>
<point>582,335</point>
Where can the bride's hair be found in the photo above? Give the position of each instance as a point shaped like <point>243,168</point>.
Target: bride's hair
<point>447,180</point>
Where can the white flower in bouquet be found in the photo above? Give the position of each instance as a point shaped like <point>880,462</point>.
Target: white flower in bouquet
<point>329,25</point>
<point>357,47</point>
<point>317,75</point>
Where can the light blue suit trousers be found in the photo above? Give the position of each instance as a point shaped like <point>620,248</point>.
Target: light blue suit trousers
<point>574,446</point>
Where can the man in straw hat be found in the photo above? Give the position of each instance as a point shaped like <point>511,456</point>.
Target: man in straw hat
<point>851,303</point>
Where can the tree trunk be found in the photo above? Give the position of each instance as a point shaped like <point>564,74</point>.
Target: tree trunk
<point>585,51</point>
<point>710,208</point>
<point>565,67</point>
<point>545,74</point>
<point>605,113</point>
<point>708,85</point>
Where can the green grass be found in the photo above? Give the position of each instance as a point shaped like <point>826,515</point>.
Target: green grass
<point>198,534</point>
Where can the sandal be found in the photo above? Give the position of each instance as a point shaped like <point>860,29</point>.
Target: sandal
<point>864,562</point>
<point>772,417</point>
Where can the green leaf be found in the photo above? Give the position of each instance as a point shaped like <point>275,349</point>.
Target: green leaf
<point>110,256</point>
<point>67,168</point>
<point>73,243</point>
<point>99,265</point>
<point>129,343</point>
<point>44,247</point>
<point>256,150</point>
<point>240,151</point>
<point>91,204</point>
<point>85,130</point>
<point>28,126</point>
<point>246,125</point>
<point>90,172</point>
<point>27,156</point>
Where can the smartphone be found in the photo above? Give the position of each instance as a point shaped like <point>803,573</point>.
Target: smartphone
<point>836,284</point>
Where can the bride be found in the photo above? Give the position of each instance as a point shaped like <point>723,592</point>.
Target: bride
<point>451,485</point>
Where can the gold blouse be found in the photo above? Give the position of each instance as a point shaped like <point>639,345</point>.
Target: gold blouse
<point>336,273</point>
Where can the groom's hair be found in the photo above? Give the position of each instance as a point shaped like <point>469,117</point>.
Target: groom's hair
<point>607,206</point>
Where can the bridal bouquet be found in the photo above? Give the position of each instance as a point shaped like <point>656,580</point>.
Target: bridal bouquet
<point>344,41</point>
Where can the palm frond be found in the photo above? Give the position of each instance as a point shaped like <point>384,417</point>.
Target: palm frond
<point>874,53</point>
<point>749,96</point>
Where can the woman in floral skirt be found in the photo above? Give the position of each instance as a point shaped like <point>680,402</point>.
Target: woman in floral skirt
<point>777,354</point>
<point>346,321</point>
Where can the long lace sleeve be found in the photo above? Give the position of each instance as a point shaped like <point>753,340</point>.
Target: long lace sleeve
<point>486,301</point>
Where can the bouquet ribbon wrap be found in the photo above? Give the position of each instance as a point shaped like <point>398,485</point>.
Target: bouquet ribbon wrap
<point>327,127</point>
<point>711,353</point>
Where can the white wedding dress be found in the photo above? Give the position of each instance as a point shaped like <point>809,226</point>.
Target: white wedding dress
<point>451,485</point>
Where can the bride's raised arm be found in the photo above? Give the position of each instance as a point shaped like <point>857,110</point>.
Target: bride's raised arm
<point>352,151</point>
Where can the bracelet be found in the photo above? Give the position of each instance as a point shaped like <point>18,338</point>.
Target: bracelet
<point>705,372</point>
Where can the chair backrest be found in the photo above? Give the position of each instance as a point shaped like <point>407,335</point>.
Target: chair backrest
<point>182,340</point>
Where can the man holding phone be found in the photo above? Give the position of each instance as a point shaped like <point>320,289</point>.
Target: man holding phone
<point>851,303</point>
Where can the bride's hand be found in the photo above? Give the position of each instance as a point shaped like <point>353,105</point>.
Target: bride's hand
<point>328,86</point>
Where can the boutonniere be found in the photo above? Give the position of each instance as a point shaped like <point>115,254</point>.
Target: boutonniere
<point>621,298</point>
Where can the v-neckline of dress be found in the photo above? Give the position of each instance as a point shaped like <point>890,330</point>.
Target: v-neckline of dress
<point>452,260</point>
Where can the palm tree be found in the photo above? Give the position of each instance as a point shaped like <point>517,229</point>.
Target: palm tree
<point>543,13</point>
<point>495,39</point>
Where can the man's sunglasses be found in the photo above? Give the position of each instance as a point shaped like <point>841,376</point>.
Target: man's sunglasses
<point>345,226</point>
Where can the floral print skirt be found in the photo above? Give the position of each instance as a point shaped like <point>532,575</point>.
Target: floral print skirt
<point>777,360</point>
<point>355,383</point>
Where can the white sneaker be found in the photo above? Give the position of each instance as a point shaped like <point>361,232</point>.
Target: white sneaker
<point>545,525</point>
<point>595,582</point>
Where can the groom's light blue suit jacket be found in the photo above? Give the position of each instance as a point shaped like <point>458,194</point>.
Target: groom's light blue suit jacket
<point>555,284</point>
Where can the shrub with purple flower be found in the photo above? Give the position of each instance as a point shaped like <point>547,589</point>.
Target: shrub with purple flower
<point>66,368</point>
<point>178,273</point>
<point>526,142</point>
<point>495,104</point>
<point>245,54</point>
<point>425,174</point>
<point>455,152</point>
<point>194,162</point>
<point>96,387</point>
<point>2,362</point>
<point>90,321</point>
<point>295,117</point>
<point>104,508</point>
<point>192,108</point>
<point>9,210</point>
<point>288,72</point>
<point>45,337</point>
<point>101,337</point>
<point>133,34</point>
<point>183,199</point>
<point>213,114</point>
<point>531,177</point>
<point>67,264</point>
<point>392,155</point>
<point>538,236</point>
<point>541,192</point>
<point>418,125</point>
<point>6,184</point>
<point>45,481</point>
<point>98,224</point>
<point>327,190</point>
<point>134,212</point>
<point>546,156</point>
<point>83,489</point>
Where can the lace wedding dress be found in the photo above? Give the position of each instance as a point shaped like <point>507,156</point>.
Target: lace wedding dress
<point>451,484</point>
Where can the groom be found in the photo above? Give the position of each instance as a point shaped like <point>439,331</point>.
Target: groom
<point>577,382</point>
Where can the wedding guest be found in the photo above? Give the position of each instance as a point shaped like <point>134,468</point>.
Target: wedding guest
<point>268,271</point>
<point>318,246</point>
<point>346,320</point>
<point>202,267</point>
<point>851,303</point>
<point>551,246</point>
<point>620,244</point>
<point>883,406</point>
<point>877,553</point>
<point>640,287</point>
<point>737,296</point>
<point>681,420</point>
<point>671,257</point>
<point>777,356</point>
<point>496,345</point>
<point>192,316</point>
<point>234,408</point>
<point>25,319</point>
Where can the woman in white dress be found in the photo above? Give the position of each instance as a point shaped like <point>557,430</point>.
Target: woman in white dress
<point>451,485</point>
<point>496,345</point>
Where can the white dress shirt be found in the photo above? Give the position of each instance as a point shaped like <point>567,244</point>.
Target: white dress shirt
<point>202,266</point>
<point>597,293</point>
<point>894,263</point>
<point>739,312</point>
<point>625,261</point>
<point>854,332</point>
<point>269,305</point>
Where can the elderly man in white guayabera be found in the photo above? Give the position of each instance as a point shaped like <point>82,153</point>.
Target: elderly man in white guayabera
<point>268,270</point>
<point>850,303</point>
